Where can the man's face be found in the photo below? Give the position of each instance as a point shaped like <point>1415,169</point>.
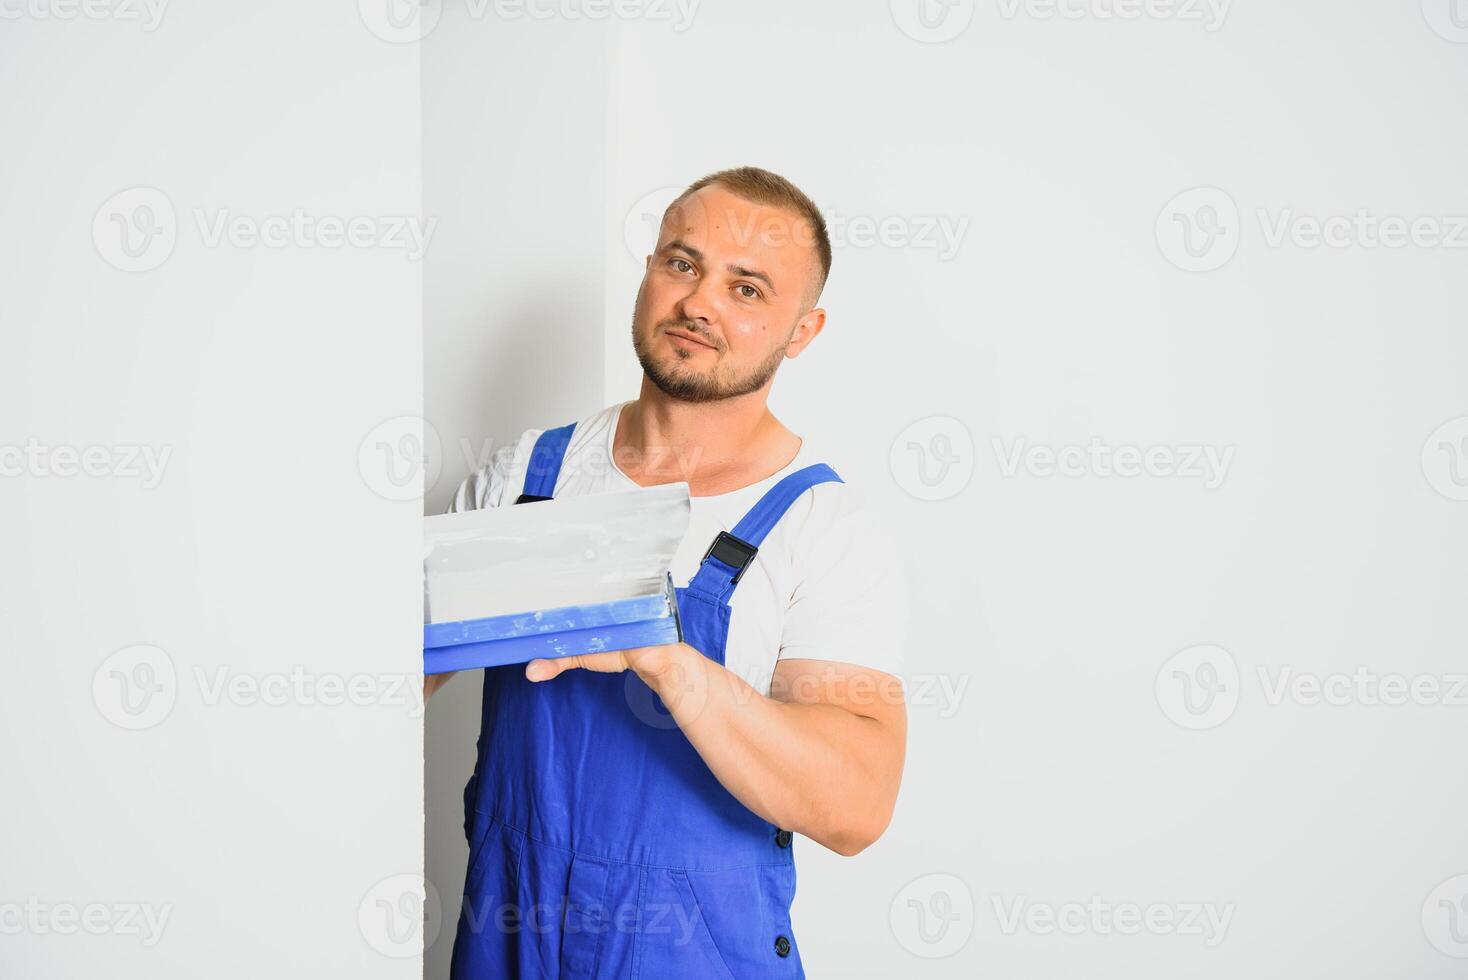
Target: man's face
<point>727,295</point>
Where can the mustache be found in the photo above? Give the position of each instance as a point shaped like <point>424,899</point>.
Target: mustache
<point>688,326</point>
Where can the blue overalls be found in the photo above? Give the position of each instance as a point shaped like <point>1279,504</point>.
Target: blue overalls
<point>600,843</point>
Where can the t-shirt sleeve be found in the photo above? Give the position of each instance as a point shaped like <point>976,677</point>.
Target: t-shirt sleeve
<point>850,601</point>
<point>488,485</point>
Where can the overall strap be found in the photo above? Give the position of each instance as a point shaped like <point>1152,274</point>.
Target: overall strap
<point>733,552</point>
<point>545,464</point>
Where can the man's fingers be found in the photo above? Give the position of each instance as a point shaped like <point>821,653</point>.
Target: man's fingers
<point>544,670</point>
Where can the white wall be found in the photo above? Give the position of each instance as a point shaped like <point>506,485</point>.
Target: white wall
<point>513,148</point>
<point>212,754</point>
<point>1050,762</point>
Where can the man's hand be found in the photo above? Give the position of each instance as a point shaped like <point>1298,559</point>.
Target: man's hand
<point>646,662</point>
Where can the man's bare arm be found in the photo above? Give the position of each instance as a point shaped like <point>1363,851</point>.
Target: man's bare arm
<point>822,756</point>
<point>432,682</point>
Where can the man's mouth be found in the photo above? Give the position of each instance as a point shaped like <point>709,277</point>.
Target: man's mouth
<point>691,340</point>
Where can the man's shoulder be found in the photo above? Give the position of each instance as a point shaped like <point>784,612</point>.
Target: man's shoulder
<point>582,430</point>
<point>827,509</point>
<point>498,481</point>
<point>593,432</point>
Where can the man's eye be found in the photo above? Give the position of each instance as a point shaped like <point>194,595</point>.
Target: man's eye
<point>681,265</point>
<point>748,291</point>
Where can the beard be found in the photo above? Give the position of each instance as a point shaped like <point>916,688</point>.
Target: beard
<point>675,380</point>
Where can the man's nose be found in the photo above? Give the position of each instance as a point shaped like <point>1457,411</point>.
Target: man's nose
<point>698,303</point>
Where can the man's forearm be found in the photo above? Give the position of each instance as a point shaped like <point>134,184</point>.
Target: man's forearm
<point>432,682</point>
<point>817,769</point>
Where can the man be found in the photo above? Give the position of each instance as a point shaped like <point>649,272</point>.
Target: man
<point>631,814</point>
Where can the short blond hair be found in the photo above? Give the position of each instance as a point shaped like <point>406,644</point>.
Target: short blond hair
<point>764,187</point>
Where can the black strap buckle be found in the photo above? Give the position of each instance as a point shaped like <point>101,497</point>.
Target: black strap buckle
<point>732,551</point>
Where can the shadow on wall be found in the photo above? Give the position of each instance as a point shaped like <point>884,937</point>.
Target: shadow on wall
<point>535,363</point>
<point>482,393</point>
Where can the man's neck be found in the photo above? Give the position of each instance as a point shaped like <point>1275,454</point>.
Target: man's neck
<point>717,447</point>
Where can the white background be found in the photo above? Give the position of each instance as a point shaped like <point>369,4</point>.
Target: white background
<point>1049,606</point>
<point>223,777</point>
<point>1053,758</point>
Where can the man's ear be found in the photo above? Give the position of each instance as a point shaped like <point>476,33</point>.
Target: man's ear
<point>806,329</point>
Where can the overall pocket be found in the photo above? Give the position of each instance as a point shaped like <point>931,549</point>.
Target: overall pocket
<point>478,826</point>
<point>674,941</point>
<point>746,912</point>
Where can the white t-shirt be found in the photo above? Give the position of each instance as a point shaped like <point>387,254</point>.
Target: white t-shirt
<point>825,585</point>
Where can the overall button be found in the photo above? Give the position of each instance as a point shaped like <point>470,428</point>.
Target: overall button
<point>782,947</point>
<point>783,838</point>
